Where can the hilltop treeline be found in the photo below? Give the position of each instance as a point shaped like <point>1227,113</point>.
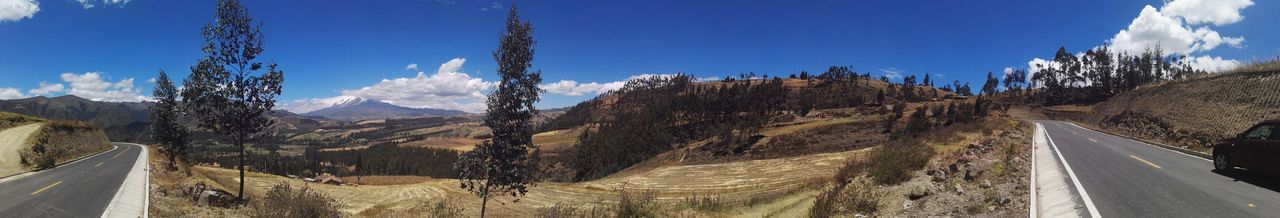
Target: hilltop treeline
<point>652,115</point>
<point>1101,73</point>
<point>382,159</point>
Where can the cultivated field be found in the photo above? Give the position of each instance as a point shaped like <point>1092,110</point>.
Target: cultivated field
<point>736,182</point>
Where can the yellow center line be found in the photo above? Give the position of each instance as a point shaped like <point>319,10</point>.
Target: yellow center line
<point>121,152</point>
<point>46,188</point>
<point>1148,162</point>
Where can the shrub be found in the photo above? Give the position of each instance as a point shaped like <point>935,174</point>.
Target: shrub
<point>447,208</point>
<point>284,201</point>
<point>893,163</point>
<point>855,196</point>
<point>636,204</point>
<point>566,211</point>
<point>705,202</point>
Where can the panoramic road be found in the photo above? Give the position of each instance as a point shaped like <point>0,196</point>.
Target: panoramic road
<point>79,189</point>
<point>1125,178</point>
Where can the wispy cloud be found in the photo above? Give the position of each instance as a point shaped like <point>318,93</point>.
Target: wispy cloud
<point>892,72</point>
<point>87,4</point>
<point>492,7</point>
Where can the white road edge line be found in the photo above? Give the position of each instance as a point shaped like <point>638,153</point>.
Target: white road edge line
<point>1088,202</point>
<point>13,177</point>
<point>1140,142</point>
<point>1034,208</point>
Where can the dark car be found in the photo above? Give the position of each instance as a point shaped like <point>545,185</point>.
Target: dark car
<point>1253,149</point>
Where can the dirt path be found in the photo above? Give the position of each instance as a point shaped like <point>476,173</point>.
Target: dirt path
<point>12,141</point>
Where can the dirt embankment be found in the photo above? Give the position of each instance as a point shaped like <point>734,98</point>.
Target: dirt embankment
<point>58,142</point>
<point>12,142</point>
<point>1191,114</point>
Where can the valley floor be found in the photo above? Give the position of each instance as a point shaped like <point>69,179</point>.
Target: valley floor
<point>757,187</point>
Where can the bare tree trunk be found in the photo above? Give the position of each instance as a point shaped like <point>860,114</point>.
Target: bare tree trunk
<point>483,204</point>
<point>241,193</point>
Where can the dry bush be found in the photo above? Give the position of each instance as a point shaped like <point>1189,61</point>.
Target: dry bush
<point>893,163</point>
<point>708,202</point>
<point>60,141</point>
<point>8,120</point>
<point>855,196</point>
<point>284,201</point>
<point>636,204</point>
<point>446,208</point>
<point>566,211</point>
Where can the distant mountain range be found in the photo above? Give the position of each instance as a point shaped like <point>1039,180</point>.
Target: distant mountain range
<point>366,109</point>
<point>122,121</point>
<point>130,121</point>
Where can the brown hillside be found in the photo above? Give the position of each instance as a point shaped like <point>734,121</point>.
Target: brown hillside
<point>1194,112</point>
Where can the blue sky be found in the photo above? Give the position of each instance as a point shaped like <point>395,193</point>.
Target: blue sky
<point>335,50</point>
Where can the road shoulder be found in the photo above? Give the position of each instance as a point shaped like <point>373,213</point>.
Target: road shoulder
<point>131,199</point>
<point>1053,195</point>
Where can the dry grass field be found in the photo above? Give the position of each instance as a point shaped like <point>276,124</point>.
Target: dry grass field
<point>738,183</point>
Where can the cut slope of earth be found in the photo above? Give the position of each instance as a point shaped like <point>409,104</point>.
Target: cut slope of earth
<point>1193,112</point>
<point>12,141</point>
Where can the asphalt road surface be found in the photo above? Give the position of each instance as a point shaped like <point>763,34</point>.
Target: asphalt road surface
<point>1126,178</point>
<point>80,189</point>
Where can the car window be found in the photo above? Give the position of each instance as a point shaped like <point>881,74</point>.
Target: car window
<point>1260,133</point>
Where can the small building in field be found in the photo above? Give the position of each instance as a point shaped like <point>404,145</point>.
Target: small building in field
<point>328,179</point>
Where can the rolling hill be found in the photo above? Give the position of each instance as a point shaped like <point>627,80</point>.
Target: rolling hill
<point>122,121</point>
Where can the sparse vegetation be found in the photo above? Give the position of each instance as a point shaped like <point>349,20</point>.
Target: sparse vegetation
<point>893,163</point>
<point>285,201</point>
<point>59,141</point>
<point>9,120</point>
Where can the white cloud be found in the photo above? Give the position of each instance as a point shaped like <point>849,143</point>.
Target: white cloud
<point>47,89</point>
<point>892,73</point>
<point>1037,64</point>
<point>312,104</point>
<point>448,88</point>
<point>411,66</point>
<point>1172,27</point>
<point>1217,12</point>
<point>14,10</point>
<point>10,93</point>
<point>92,86</point>
<point>574,88</point>
<point>151,80</point>
<point>1211,64</point>
<point>87,4</point>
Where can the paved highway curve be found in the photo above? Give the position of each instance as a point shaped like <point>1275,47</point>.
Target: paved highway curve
<point>1126,178</point>
<point>80,189</point>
